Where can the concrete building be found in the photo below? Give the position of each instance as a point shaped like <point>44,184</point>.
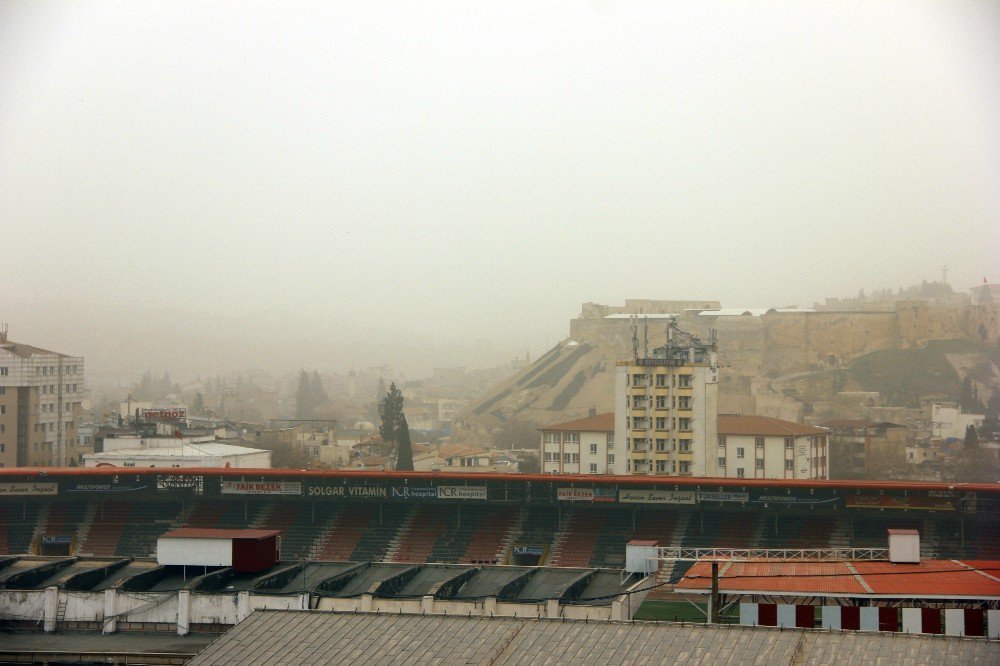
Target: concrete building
<point>41,393</point>
<point>175,452</point>
<point>948,422</point>
<point>860,448</point>
<point>583,446</point>
<point>759,447</point>
<point>666,407</point>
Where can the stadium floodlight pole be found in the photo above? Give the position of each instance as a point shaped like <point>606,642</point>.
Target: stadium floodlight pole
<point>713,599</point>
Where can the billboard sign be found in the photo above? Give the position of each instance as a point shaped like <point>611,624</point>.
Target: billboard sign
<point>113,485</point>
<point>797,500</point>
<point>575,494</point>
<point>164,413</point>
<point>261,488</point>
<point>27,488</point>
<point>657,496</point>
<point>709,496</point>
<point>462,492</point>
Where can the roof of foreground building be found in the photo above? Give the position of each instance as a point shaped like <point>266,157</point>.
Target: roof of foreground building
<point>949,579</point>
<point>311,637</point>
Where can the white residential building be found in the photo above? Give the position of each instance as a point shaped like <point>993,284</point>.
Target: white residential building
<point>583,446</point>
<point>41,395</point>
<point>950,422</point>
<point>759,447</point>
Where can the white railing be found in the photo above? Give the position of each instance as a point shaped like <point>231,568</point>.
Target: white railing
<point>812,554</point>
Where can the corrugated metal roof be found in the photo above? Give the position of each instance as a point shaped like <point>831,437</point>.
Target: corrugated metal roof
<point>940,578</point>
<point>213,533</point>
<point>311,637</point>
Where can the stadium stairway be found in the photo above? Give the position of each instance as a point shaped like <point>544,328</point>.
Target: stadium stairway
<point>147,521</point>
<point>489,536</point>
<point>378,535</point>
<point>539,525</point>
<point>421,532</point>
<point>62,519</point>
<point>575,546</point>
<point>17,526</point>
<point>104,526</point>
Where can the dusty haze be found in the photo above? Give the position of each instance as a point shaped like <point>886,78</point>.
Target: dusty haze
<point>198,186</point>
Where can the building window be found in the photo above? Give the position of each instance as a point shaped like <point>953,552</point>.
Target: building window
<point>661,444</point>
<point>722,461</point>
<point>790,465</point>
<point>740,473</point>
<point>3,371</point>
<point>661,423</point>
<point>661,465</point>
<point>685,467</point>
<point>661,402</point>
<point>638,380</point>
<point>789,443</point>
<point>760,463</point>
<point>566,458</point>
<point>575,458</point>
<point>684,424</point>
<point>593,468</point>
<point>661,380</point>
<point>551,438</point>
<point>3,390</point>
<point>3,409</point>
<point>684,402</point>
<point>758,442</point>
<point>739,452</point>
<point>684,381</point>
<point>572,438</point>
<point>611,459</point>
<point>722,441</point>
<point>593,448</point>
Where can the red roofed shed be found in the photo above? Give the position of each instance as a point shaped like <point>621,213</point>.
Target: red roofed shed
<point>243,550</point>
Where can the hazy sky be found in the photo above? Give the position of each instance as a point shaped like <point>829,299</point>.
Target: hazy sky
<point>340,173</point>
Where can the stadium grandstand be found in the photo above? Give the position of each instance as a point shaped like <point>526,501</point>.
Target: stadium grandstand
<point>81,544</point>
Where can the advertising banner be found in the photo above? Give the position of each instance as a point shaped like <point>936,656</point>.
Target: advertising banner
<point>708,496</point>
<point>657,496</point>
<point>529,550</point>
<point>414,492</point>
<point>605,495</point>
<point>462,492</point>
<point>575,494</point>
<point>43,488</point>
<point>261,488</point>
<point>794,500</point>
<point>339,490</point>
<point>107,485</point>
<point>934,501</point>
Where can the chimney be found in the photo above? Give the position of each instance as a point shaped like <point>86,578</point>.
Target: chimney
<point>592,411</point>
<point>3,334</point>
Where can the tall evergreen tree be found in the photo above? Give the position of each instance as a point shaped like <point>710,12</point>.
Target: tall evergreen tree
<point>303,397</point>
<point>404,452</point>
<point>394,429</point>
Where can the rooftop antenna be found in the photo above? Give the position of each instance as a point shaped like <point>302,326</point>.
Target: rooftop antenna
<point>645,337</point>
<point>634,322</point>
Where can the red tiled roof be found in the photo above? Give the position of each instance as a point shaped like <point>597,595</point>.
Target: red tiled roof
<point>210,533</point>
<point>729,424</point>
<point>600,423</point>
<point>938,578</point>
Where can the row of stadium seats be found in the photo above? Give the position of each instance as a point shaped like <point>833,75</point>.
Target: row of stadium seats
<point>580,536</point>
